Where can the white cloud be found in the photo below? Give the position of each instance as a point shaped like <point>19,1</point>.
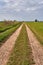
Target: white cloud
<point>30,9</point>
<point>6,1</point>
<point>17,10</point>
<point>20,6</point>
<point>41,2</point>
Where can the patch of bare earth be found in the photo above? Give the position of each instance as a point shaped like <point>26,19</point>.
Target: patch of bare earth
<point>5,50</point>
<point>36,47</point>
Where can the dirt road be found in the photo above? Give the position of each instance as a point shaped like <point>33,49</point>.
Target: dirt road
<point>36,47</point>
<point>5,50</point>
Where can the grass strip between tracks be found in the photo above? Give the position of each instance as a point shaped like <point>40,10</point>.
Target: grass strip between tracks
<point>22,52</point>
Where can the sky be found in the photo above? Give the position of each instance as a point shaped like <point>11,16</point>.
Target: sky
<point>23,10</point>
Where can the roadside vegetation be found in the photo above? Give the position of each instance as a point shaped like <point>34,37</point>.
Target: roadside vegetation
<point>37,29</point>
<point>7,25</point>
<point>7,30</point>
<point>22,52</point>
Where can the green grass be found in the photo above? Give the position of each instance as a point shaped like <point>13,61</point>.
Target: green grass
<point>22,52</point>
<point>7,33</point>
<point>37,28</point>
<point>7,25</point>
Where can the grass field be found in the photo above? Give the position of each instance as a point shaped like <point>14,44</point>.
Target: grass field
<point>37,28</point>
<point>7,25</point>
<point>10,28</point>
<point>22,52</point>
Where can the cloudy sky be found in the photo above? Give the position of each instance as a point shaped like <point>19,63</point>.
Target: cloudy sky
<point>21,9</point>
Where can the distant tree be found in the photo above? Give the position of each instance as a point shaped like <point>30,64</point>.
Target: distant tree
<point>36,20</point>
<point>22,21</point>
<point>15,21</point>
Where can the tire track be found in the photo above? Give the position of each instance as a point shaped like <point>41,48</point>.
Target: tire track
<point>5,50</point>
<point>36,47</point>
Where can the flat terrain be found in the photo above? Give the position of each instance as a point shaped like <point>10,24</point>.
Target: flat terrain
<point>6,29</point>
<point>22,52</point>
<point>7,25</point>
<point>5,50</point>
<point>36,47</point>
<point>24,44</point>
<point>37,29</point>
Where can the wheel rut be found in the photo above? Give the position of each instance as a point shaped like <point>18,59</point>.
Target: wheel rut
<point>7,47</point>
<point>37,49</point>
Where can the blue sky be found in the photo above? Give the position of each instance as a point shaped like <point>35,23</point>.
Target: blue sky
<point>21,10</point>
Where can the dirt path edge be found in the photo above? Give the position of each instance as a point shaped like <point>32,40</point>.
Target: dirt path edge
<point>5,50</point>
<point>37,49</point>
